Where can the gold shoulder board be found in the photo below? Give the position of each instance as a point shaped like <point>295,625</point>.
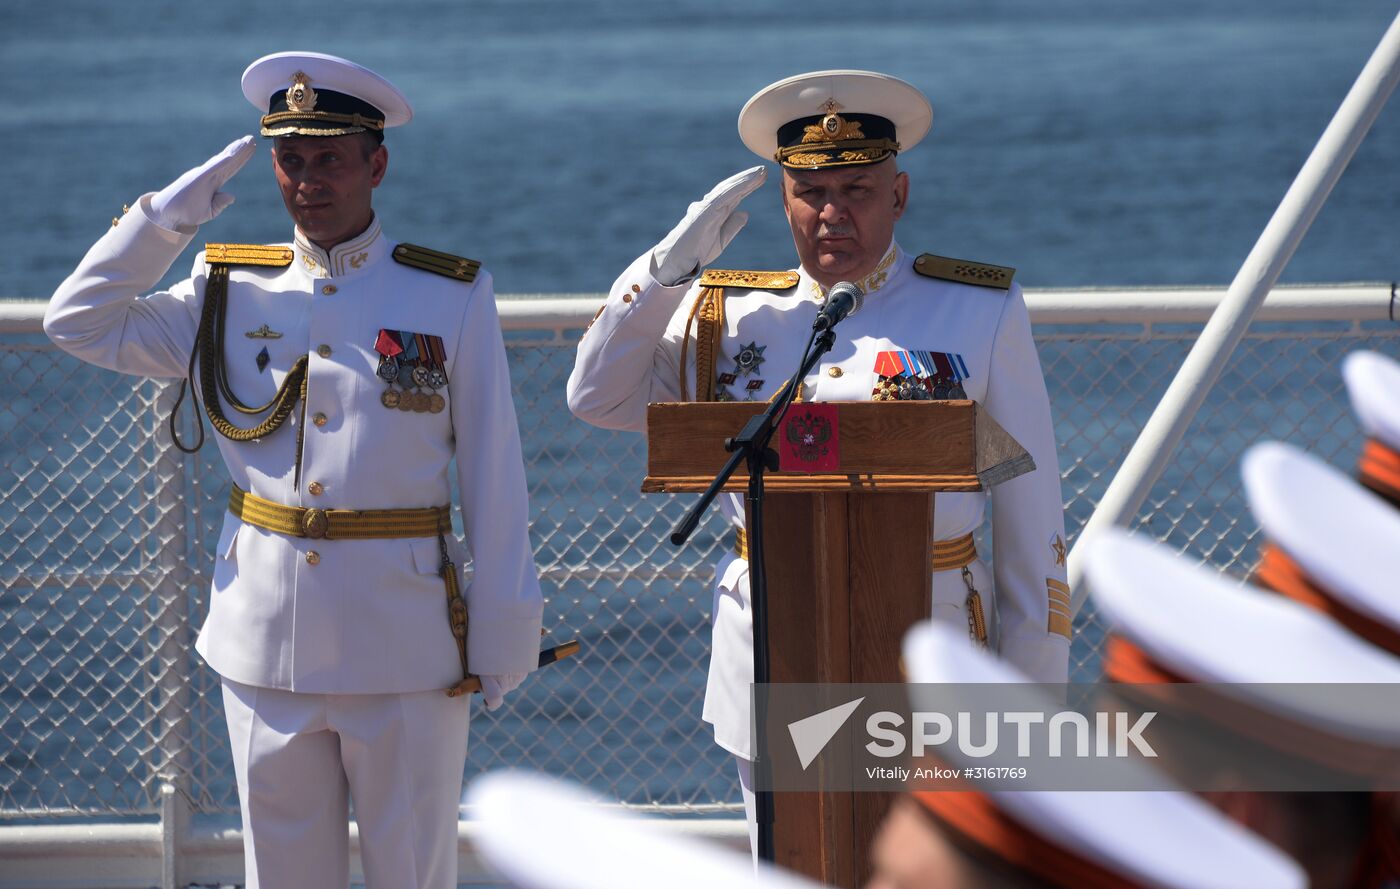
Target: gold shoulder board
<point>445,264</point>
<point>751,280</point>
<point>247,254</point>
<point>964,272</point>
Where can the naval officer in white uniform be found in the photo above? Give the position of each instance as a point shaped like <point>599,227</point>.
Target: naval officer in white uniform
<point>342,373</point>
<point>930,328</point>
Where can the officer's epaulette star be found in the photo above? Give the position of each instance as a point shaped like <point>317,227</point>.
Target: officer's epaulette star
<point>247,254</point>
<point>445,264</point>
<point>964,272</point>
<point>751,280</point>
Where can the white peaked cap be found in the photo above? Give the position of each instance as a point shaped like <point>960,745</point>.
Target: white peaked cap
<point>342,96</point>
<point>1162,839</point>
<point>1345,539</point>
<point>1373,384</point>
<point>1260,647</point>
<point>891,109</point>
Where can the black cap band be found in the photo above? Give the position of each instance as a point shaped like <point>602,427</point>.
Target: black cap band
<point>318,113</point>
<point>835,140</point>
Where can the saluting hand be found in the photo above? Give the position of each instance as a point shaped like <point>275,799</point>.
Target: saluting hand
<point>194,198</point>
<point>708,227</point>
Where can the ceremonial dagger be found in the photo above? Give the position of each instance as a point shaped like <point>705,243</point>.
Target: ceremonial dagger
<point>548,656</point>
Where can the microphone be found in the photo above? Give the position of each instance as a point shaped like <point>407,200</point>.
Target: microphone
<point>843,299</point>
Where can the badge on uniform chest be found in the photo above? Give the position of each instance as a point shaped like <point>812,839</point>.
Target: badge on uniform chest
<point>746,360</point>
<point>919,376</point>
<point>414,365</point>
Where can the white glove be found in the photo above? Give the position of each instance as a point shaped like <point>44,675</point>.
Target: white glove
<point>194,198</point>
<point>708,227</point>
<point>494,688</point>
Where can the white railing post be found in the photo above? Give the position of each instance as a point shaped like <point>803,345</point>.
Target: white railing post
<point>174,827</point>
<point>1153,449</point>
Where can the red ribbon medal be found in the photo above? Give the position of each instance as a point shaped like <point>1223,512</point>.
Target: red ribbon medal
<point>386,345</point>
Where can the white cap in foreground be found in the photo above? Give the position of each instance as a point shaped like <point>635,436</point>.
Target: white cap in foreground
<point>543,833</point>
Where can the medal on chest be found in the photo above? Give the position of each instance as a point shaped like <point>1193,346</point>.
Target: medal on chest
<point>415,363</point>
<point>905,375</point>
<point>746,363</point>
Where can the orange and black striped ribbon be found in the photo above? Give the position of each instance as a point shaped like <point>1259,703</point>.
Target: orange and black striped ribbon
<point>1379,469</point>
<point>1127,663</point>
<point>1279,572</point>
<point>438,353</point>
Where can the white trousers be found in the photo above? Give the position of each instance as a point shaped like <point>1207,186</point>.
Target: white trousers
<point>745,768</point>
<point>299,757</point>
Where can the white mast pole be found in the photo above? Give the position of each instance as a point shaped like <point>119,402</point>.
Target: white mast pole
<point>1203,365</point>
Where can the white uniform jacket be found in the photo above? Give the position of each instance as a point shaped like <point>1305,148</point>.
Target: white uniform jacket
<point>359,616</point>
<point>631,356</point>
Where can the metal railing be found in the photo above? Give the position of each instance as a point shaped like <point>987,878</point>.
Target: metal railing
<point>113,759</point>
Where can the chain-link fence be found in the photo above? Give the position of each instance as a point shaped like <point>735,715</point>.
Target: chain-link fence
<point>106,535</point>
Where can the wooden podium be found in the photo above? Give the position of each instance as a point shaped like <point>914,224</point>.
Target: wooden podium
<point>848,556</point>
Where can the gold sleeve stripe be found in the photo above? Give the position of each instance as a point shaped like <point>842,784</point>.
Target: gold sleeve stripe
<point>1060,618</point>
<point>751,280</point>
<point>963,272</point>
<point>247,254</point>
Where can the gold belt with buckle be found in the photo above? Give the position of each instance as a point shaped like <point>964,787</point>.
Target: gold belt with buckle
<point>367,524</point>
<point>339,524</point>
<point>948,555</point>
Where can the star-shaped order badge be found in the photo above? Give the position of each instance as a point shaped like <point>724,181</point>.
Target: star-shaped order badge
<point>1057,548</point>
<point>749,357</point>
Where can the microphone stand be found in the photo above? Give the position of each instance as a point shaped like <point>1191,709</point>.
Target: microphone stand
<point>751,446</point>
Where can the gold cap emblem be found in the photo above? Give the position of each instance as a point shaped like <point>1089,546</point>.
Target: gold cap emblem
<point>831,123</point>
<point>833,128</point>
<point>300,95</point>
